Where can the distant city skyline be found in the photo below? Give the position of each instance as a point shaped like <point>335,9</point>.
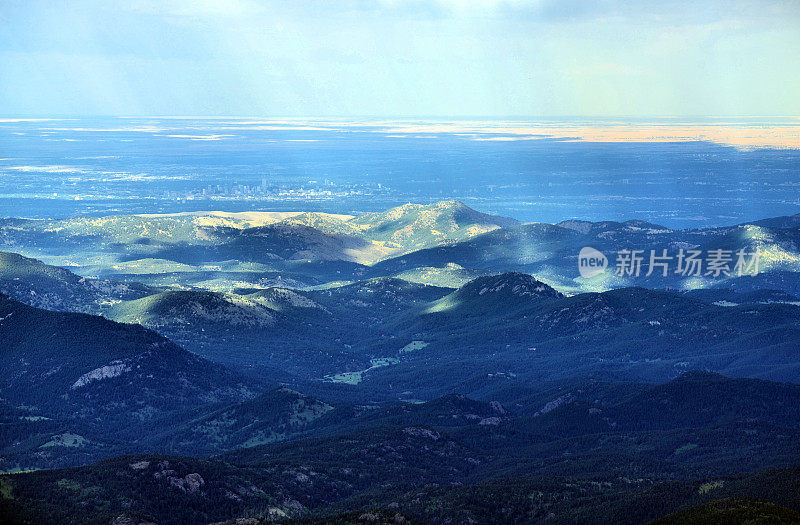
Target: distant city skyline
<point>481,58</point>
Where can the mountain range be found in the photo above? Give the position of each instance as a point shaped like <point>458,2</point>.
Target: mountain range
<point>433,244</point>
<point>430,364</point>
<point>428,461</point>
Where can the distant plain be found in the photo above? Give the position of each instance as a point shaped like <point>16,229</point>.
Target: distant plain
<point>680,174</point>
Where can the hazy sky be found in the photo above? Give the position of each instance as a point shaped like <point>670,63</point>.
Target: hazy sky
<point>400,57</point>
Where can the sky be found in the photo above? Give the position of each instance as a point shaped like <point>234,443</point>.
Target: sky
<point>400,58</point>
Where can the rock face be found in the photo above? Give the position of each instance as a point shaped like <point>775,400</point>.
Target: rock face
<point>191,483</point>
<point>125,519</point>
<point>422,432</point>
<point>115,369</point>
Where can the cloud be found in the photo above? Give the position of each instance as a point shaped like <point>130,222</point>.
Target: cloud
<point>399,57</point>
<point>599,69</point>
<point>198,8</point>
<point>201,137</point>
<point>464,5</point>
